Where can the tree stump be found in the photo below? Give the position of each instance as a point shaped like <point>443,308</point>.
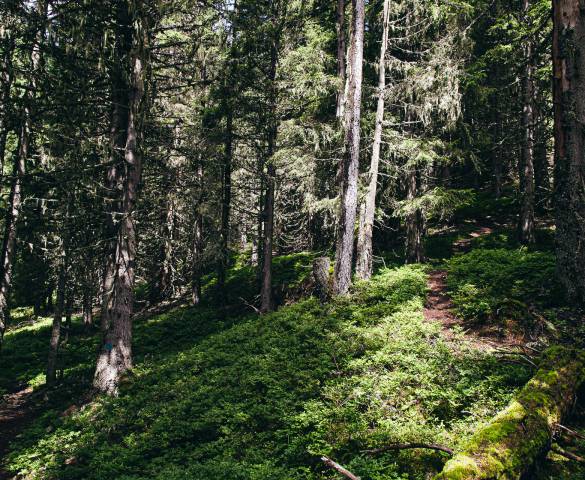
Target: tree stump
<point>321,267</point>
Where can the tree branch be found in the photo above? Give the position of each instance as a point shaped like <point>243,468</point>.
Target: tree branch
<point>564,453</point>
<point>405,446</point>
<point>335,466</point>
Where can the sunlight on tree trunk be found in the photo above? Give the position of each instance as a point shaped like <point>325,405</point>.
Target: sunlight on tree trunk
<point>368,208</point>
<point>350,161</point>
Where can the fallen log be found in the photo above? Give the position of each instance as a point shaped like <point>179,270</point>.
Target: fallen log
<point>514,439</point>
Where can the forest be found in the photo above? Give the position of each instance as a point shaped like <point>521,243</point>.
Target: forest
<point>292,239</point>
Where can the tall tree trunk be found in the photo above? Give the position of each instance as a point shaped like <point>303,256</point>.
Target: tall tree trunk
<point>69,301</point>
<point>55,341</point>
<point>259,251</point>
<point>18,171</point>
<point>526,220</point>
<point>341,74</point>
<point>226,199</point>
<point>114,178</point>
<point>6,76</point>
<point>350,162</point>
<point>266,297</point>
<point>368,209</point>
<point>196,268</point>
<point>115,356</point>
<point>414,222</point>
<point>569,105</point>
<point>542,179</point>
<point>497,154</point>
<point>266,300</point>
<point>87,306</point>
<point>165,283</point>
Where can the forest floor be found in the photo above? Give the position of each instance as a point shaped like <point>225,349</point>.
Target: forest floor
<point>417,354</point>
<point>16,412</point>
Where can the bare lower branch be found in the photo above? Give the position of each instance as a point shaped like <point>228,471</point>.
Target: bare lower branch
<point>570,432</point>
<point>335,466</point>
<point>405,446</point>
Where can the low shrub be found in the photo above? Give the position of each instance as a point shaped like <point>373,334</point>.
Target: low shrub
<point>490,284</point>
<point>264,397</point>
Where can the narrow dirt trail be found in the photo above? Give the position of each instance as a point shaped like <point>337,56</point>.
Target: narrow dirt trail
<point>439,306</point>
<point>15,412</point>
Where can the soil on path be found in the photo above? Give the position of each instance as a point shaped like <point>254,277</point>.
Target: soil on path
<point>439,308</point>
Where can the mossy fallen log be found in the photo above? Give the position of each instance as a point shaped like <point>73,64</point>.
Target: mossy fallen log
<point>514,439</point>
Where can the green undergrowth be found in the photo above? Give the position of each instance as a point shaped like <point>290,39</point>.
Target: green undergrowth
<point>499,284</point>
<point>263,397</point>
<point>290,273</point>
<point>25,347</point>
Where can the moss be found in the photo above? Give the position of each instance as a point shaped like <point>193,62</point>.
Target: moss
<point>515,438</point>
<point>459,468</point>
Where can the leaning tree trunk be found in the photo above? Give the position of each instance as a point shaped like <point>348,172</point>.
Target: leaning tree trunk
<point>526,220</point>
<point>350,161</point>
<point>569,106</point>
<point>364,262</point>
<point>18,172</point>
<point>115,356</point>
<point>512,441</point>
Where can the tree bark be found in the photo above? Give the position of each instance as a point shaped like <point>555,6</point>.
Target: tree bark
<point>526,220</point>
<point>569,108</point>
<point>114,178</point>
<point>51,376</point>
<point>165,285</point>
<point>267,302</point>
<point>87,307</point>
<point>364,264</point>
<point>321,273</point>
<point>18,172</point>
<point>6,76</point>
<point>266,297</point>
<point>196,268</point>
<point>341,74</point>
<point>350,161</point>
<point>226,199</point>
<point>115,356</point>
<point>414,222</point>
<point>514,439</point>
<point>542,180</point>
